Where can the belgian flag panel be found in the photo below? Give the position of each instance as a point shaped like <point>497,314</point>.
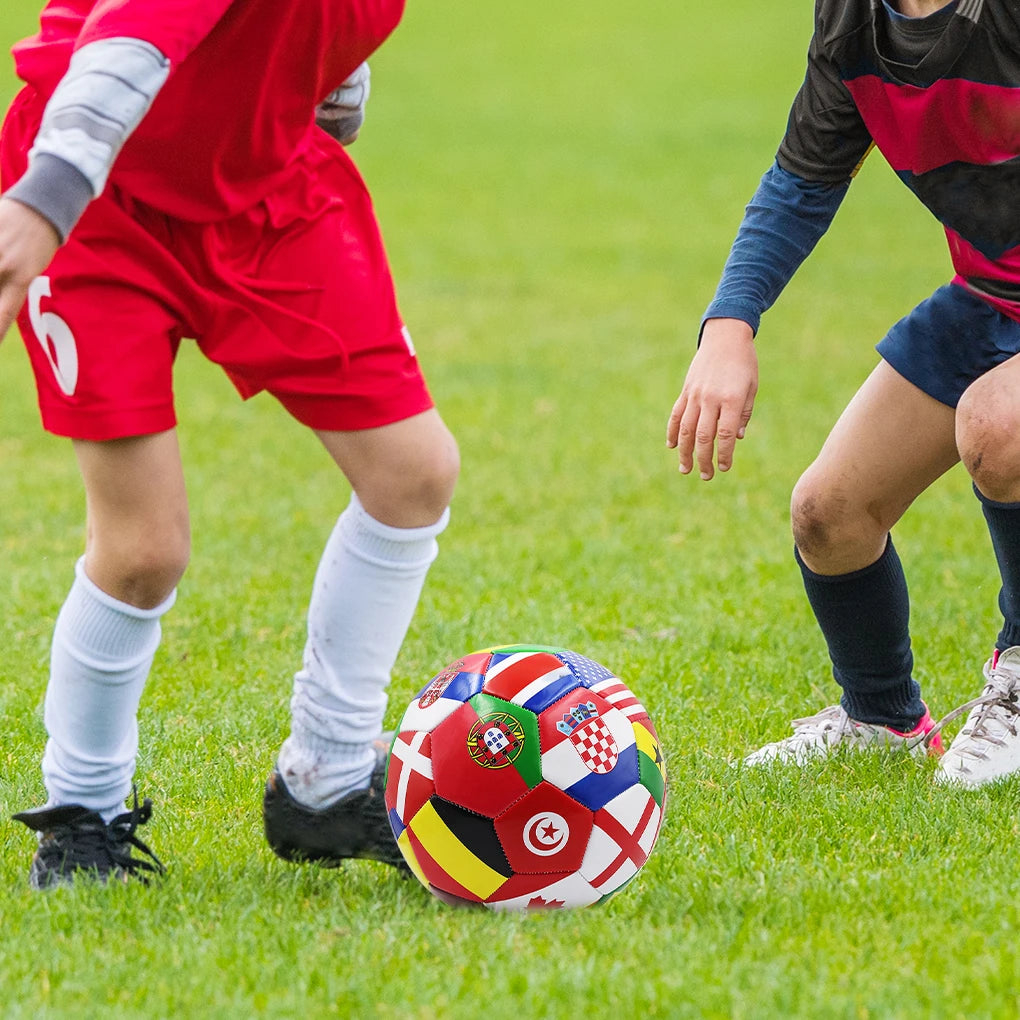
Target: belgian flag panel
<point>458,845</point>
<point>433,875</point>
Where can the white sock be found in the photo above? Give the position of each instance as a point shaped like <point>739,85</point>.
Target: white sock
<point>101,655</point>
<point>366,590</point>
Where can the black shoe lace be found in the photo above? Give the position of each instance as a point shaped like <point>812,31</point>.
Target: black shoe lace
<point>78,840</point>
<point>120,837</point>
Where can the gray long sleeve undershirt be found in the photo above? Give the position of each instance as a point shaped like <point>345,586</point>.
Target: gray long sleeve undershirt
<point>109,86</point>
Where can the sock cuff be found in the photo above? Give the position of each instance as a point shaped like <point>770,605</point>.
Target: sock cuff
<point>110,602</point>
<point>888,559</point>
<point>382,544</point>
<point>102,631</point>
<point>993,503</point>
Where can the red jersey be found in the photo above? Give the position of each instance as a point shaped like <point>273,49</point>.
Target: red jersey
<point>236,118</point>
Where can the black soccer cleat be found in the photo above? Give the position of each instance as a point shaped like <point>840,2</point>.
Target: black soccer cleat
<point>355,826</point>
<point>76,843</point>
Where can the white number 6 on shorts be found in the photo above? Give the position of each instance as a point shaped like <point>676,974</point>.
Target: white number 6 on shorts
<point>54,335</point>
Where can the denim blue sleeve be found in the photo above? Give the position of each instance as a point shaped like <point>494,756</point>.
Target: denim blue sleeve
<point>782,224</point>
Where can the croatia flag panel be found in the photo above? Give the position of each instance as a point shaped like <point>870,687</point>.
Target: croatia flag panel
<point>588,749</point>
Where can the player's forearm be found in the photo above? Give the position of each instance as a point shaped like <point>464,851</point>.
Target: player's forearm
<point>108,88</point>
<point>782,224</point>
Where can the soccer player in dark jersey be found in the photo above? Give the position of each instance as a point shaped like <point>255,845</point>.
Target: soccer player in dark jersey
<point>164,177</point>
<point>935,86</point>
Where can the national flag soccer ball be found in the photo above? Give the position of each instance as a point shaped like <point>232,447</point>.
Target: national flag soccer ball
<point>523,778</point>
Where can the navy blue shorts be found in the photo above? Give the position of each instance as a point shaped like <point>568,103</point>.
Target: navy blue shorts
<point>948,341</point>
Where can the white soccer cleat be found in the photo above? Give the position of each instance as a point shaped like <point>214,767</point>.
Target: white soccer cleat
<point>830,730</point>
<point>988,746</point>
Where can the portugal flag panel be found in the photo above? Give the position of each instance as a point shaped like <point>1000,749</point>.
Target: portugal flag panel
<point>474,758</point>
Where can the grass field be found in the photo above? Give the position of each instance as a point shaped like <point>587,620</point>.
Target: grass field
<point>558,186</point>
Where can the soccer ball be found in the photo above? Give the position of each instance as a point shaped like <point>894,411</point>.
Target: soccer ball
<point>525,777</point>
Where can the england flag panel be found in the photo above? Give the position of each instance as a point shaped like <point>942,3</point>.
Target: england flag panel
<point>623,837</point>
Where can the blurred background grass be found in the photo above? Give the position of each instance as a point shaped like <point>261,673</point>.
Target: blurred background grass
<point>558,187</point>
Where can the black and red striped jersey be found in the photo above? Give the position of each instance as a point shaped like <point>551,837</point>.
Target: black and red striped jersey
<point>940,98</point>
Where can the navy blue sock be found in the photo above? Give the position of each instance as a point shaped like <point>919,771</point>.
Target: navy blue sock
<point>1004,527</point>
<point>864,616</point>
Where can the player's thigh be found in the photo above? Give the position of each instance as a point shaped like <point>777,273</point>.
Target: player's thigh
<point>403,472</point>
<point>891,443</point>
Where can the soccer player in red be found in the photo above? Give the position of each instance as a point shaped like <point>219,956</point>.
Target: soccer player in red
<point>935,86</point>
<point>171,170</point>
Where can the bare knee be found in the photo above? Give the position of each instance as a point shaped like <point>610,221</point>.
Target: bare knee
<point>834,533</point>
<point>413,493</point>
<point>988,438</point>
<point>139,564</point>
<point>815,518</point>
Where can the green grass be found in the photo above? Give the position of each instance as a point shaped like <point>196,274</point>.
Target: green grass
<point>558,186</point>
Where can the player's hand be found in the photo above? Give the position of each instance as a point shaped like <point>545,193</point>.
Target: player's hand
<point>715,405</point>
<point>342,112</point>
<point>28,242</point>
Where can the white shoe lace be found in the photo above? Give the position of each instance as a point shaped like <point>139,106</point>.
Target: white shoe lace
<point>812,728</point>
<point>998,714</point>
<point>811,735</point>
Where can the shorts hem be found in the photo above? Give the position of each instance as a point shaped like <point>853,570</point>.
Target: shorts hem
<point>327,413</point>
<point>104,426</point>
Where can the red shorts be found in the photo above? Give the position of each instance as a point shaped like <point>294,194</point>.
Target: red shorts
<point>294,297</point>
